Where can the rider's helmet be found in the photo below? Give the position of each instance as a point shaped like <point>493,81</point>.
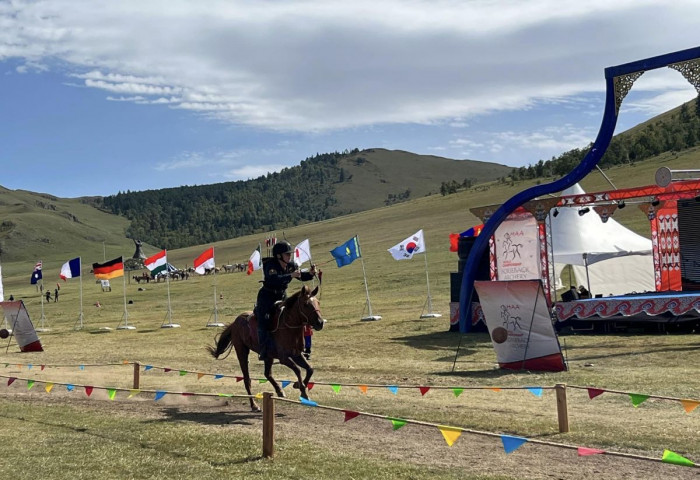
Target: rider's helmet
<point>280,248</point>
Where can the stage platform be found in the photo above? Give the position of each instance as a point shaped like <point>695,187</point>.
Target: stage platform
<point>658,311</point>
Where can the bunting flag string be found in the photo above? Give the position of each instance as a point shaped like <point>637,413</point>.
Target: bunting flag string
<point>450,434</point>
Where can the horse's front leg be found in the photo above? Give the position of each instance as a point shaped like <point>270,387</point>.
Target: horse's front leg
<point>293,367</point>
<point>268,375</point>
<point>304,363</point>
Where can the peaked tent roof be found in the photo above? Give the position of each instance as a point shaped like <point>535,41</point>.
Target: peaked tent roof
<point>574,234</point>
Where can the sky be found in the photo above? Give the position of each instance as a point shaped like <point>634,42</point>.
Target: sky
<point>98,98</point>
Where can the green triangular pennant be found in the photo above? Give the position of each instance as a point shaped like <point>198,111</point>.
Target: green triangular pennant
<point>673,457</point>
<point>336,388</point>
<point>457,391</point>
<point>638,399</point>
<point>397,423</point>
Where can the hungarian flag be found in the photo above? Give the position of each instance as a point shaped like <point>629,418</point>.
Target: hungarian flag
<point>70,269</point>
<point>205,261</point>
<point>112,269</point>
<point>36,274</point>
<point>302,253</point>
<point>406,249</point>
<point>156,263</point>
<point>254,262</point>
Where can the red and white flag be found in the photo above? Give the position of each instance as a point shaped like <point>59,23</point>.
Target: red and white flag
<point>302,253</point>
<point>205,261</point>
<point>255,261</point>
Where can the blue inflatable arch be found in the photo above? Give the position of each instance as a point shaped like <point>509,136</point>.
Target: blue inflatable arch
<point>618,82</point>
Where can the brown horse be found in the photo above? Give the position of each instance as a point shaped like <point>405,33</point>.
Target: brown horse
<point>288,322</point>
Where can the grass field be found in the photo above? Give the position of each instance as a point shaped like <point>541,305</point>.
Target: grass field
<point>65,434</point>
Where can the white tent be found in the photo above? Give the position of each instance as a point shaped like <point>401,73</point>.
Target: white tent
<point>609,257</point>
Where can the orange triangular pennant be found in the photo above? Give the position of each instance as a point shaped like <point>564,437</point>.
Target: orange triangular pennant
<point>689,405</point>
<point>199,375</point>
<point>363,388</point>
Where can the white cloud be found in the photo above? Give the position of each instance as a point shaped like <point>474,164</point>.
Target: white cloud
<point>252,171</point>
<point>310,66</point>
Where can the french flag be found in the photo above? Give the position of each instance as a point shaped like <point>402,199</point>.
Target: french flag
<point>70,269</point>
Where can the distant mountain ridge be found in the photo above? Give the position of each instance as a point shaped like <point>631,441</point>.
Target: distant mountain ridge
<point>321,187</point>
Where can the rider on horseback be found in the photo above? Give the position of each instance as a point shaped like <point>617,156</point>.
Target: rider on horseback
<point>278,271</point>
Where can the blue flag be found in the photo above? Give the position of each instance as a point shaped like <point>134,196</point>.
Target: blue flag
<point>347,252</point>
<point>36,274</point>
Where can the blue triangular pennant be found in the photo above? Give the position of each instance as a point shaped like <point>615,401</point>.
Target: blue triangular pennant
<point>308,403</point>
<point>510,444</point>
<point>393,389</point>
<point>536,391</point>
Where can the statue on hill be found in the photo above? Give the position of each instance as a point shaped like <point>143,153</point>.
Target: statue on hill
<point>138,253</point>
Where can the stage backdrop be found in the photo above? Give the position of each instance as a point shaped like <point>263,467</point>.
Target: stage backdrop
<point>522,309</point>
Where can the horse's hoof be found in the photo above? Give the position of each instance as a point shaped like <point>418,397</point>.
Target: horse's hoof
<point>255,409</point>
<point>281,394</point>
<point>296,385</point>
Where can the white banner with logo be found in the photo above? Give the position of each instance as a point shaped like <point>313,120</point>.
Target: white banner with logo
<point>518,248</point>
<point>518,319</point>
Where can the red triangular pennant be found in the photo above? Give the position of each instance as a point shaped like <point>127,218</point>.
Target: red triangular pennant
<point>349,414</point>
<point>310,385</point>
<point>594,392</point>
<point>238,379</point>
<point>88,390</point>
<point>584,452</point>
<point>424,390</point>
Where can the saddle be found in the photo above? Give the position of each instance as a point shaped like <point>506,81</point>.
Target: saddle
<point>253,321</point>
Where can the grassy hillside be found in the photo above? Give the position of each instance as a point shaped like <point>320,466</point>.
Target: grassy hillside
<point>374,174</point>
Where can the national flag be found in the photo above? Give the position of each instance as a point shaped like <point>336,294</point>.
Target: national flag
<point>36,274</point>
<point>302,252</point>
<point>156,263</point>
<point>112,269</point>
<point>70,269</point>
<point>406,249</point>
<point>346,253</point>
<point>255,261</point>
<point>205,261</point>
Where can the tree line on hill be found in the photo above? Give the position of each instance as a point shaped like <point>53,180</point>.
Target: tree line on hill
<point>678,131</point>
<point>193,215</point>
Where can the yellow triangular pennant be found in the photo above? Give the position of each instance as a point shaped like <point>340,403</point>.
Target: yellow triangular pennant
<point>451,434</point>
<point>259,395</point>
<point>133,392</point>
<point>48,387</point>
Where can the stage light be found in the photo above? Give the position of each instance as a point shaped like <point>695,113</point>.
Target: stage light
<point>621,204</point>
<point>556,210</point>
<point>583,211</point>
<point>655,202</point>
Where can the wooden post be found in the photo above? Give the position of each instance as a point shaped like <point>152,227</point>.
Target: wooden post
<point>268,425</point>
<point>137,370</point>
<point>562,409</point>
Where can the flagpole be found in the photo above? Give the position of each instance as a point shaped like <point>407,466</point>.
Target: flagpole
<point>42,328</point>
<point>370,316</point>
<point>125,316</point>
<point>215,313</point>
<point>169,314</point>
<point>80,316</point>
<point>428,301</point>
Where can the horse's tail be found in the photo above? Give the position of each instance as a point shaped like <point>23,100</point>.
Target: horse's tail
<point>223,342</point>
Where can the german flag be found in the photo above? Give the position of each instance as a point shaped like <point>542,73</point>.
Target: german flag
<point>112,269</point>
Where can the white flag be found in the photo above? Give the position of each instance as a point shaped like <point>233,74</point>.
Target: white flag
<point>2,295</point>
<point>302,253</point>
<point>406,249</point>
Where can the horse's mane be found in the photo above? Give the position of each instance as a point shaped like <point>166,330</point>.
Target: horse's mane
<point>290,301</point>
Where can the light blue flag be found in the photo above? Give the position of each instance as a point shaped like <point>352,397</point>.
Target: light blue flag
<point>308,403</point>
<point>346,253</point>
<point>536,391</point>
<point>393,389</point>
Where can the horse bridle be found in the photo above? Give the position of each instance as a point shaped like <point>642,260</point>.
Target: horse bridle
<point>301,314</point>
